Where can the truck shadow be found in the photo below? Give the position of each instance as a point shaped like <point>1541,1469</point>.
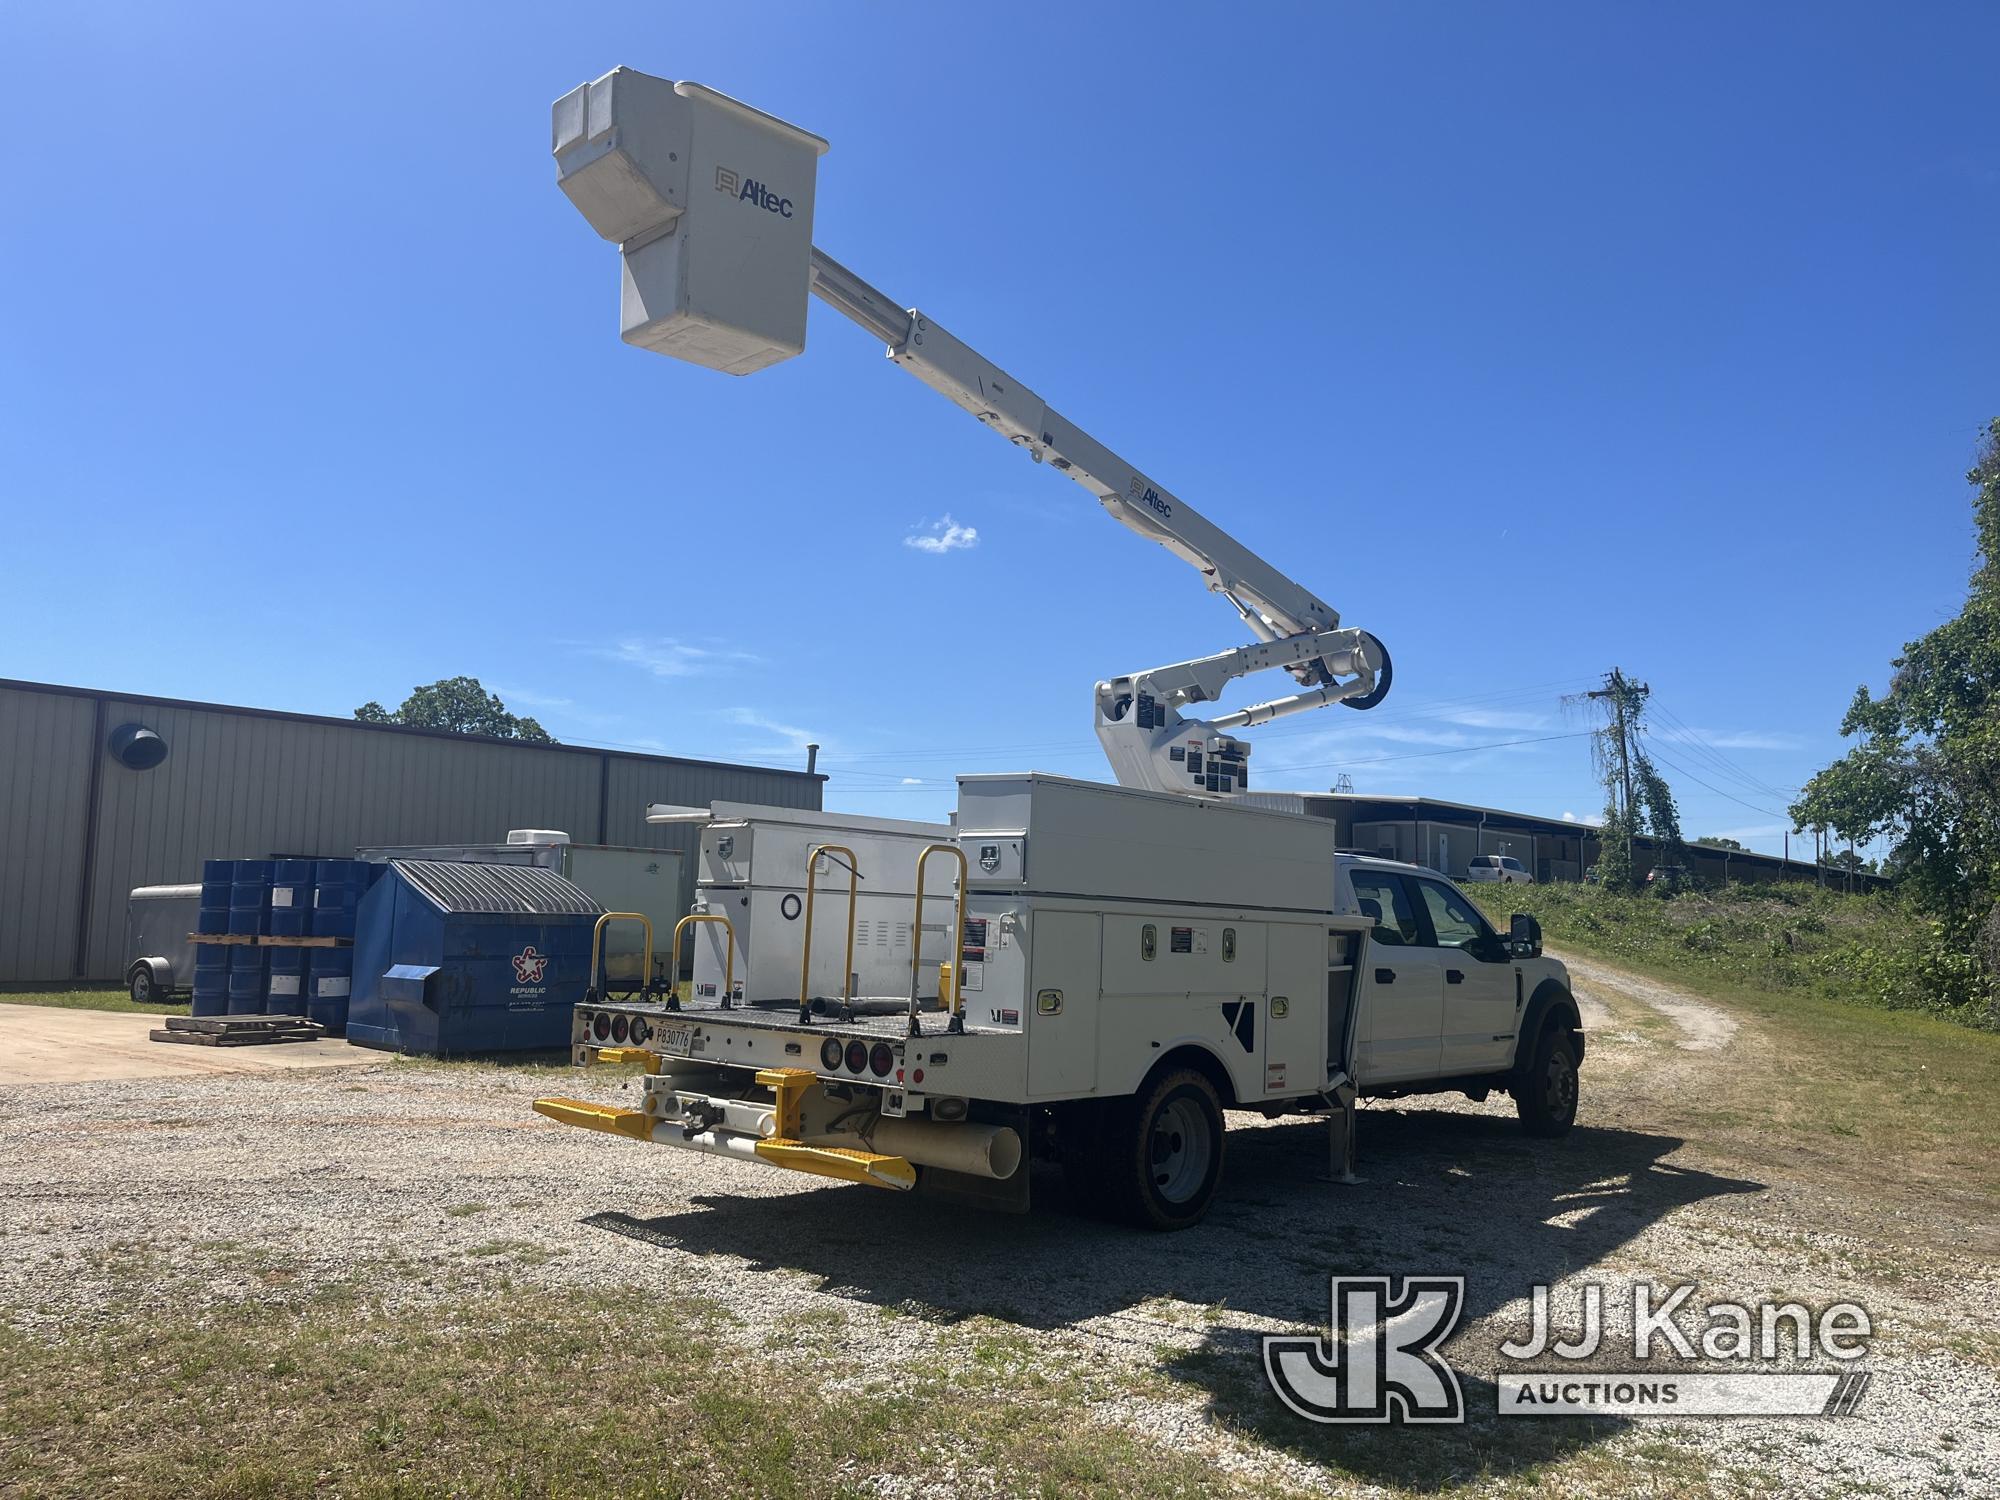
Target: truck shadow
<point>1444,1193</point>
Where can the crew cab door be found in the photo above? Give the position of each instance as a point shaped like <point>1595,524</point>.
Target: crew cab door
<point>1479,988</point>
<point>1400,1031</point>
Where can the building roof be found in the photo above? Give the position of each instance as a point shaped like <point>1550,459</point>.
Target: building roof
<point>1436,810</point>
<point>440,734</point>
<point>1441,811</point>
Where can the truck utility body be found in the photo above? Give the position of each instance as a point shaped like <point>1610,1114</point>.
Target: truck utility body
<point>1112,942</point>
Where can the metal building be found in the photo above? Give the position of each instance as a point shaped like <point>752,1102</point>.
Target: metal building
<point>101,792</point>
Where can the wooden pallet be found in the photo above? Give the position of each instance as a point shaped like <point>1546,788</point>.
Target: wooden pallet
<point>237,1031</point>
<point>267,940</point>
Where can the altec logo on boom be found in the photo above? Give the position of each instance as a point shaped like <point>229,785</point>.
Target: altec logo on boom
<point>750,190</point>
<point>1147,496</point>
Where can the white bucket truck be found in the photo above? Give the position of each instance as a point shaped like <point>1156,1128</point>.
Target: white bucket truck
<point>1123,963</point>
<point>1120,968</point>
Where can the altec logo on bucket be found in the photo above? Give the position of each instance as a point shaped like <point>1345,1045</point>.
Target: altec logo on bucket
<point>750,190</point>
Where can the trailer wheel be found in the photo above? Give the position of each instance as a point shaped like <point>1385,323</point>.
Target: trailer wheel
<point>141,986</point>
<point>1163,1152</point>
<point>1545,1097</point>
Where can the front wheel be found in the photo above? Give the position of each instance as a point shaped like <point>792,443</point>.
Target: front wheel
<point>142,989</point>
<point>1545,1096</point>
<point>1163,1152</point>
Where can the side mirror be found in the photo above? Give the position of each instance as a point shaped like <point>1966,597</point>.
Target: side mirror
<point>1524,935</point>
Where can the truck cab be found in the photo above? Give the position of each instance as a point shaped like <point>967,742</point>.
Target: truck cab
<point>1449,1002</point>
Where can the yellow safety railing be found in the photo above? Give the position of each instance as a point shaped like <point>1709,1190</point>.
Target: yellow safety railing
<point>597,946</point>
<point>728,956</point>
<point>948,994</point>
<point>806,954</point>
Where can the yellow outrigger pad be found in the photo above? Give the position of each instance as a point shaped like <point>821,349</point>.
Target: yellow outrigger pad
<point>597,1117</point>
<point>838,1161</point>
<point>821,1161</point>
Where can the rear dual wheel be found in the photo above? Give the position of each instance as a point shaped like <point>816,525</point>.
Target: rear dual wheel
<point>1155,1159</point>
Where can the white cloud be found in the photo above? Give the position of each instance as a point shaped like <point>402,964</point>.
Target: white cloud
<point>665,657</point>
<point>913,781</point>
<point>790,739</point>
<point>1729,739</point>
<point>1496,718</point>
<point>942,536</point>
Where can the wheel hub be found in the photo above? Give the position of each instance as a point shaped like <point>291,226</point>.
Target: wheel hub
<point>1182,1148</point>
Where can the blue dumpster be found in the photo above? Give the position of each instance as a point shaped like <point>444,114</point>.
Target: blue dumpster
<point>454,958</point>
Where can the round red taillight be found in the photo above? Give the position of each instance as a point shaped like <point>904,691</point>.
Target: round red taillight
<point>918,1076</point>
<point>620,1028</point>
<point>857,1056</point>
<point>830,1052</point>
<point>881,1059</point>
<point>600,1026</point>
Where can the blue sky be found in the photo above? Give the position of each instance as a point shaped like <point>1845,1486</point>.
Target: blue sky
<point>1536,339</point>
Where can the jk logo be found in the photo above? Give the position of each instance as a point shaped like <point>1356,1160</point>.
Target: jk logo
<point>1380,1362</point>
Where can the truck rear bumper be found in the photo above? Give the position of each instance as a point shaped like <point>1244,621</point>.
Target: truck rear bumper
<point>842,1163</point>
<point>801,1128</point>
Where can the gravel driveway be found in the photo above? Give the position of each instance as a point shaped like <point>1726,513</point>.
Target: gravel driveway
<point>120,1198</point>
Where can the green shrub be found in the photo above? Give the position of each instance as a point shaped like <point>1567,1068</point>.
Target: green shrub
<point>1868,949</point>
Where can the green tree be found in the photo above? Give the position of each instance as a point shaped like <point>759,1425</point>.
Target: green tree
<point>1924,772</point>
<point>461,705</point>
<point>1717,841</point>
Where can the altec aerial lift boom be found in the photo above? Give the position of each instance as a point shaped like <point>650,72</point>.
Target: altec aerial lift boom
<point>710,202</point>
<point>1125,963</point>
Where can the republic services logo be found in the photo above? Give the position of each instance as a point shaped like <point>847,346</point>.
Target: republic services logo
<point>528,965</point>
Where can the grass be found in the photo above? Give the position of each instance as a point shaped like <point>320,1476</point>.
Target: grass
<point>534,1393</point>
<point>1856,1081</point>
<point>1792,938</point>
<point>116,1001</point>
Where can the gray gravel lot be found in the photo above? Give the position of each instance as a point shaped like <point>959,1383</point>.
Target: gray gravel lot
<point>420,1181</point>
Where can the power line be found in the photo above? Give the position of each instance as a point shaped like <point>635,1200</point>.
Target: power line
<point>1786,817</point>
<point>1712,756</point>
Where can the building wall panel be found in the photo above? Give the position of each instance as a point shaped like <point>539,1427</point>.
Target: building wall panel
<point>44,802</point>
<point>241,784</point>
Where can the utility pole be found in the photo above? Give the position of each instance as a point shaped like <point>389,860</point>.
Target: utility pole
<point>1621,692</point>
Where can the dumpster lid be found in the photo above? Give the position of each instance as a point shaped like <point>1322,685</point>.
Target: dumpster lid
<point>409,971</point>
<point>496,890</point>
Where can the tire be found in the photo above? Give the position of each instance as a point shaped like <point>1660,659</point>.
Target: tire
<point>141,987</point>
<point>1161,1152</point>
<point>1545,1097</point>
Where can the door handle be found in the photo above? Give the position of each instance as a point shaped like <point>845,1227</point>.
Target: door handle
<point>1385,976</point>
<point>1454,976</point>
